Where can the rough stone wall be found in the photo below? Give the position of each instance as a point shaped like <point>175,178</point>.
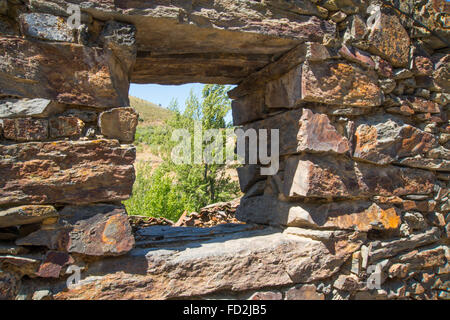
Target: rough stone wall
<point>364,146</point>
<point>364,139</point>
<point>66,161</point>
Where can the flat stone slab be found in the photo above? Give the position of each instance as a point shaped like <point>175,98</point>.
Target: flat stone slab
<point>75,172</point>
<point>362,215</point>
<point>86,79</point>
<point>189,263</point>
<point>36,108</point>
<point>210,42</point>
<point>93,230</point>
<point>160,236</point>
<point>26,215</point>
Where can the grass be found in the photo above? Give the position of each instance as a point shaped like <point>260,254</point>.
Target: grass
<point>150,114</point>
<point>155,194</point>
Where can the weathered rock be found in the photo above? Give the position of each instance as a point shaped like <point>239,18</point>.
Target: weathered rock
<point>318,52</point>
<point>304,292</point>
<point>102,234</point>
<point>271,71</point>
<point>203,67</point>
<point>82,114</point>
<point>347,283</point>
<point>314,234</point>
<point>422,206</point>
<point>386,142</point>
<point>426,163</point>
<point>439,153</point>
<point>303,130</point>
<point>8,26</point>
<point>343,179</point>
<point>119,123</point>
<point>26,215</point>
<point>424,258</point>
<point>424,93</point>
<point>317,134</point>
<point>415,220</point>
<point>401,74</point>
<point>54,239</point>
<point>120,38</point>
<point>285,92</point>
<point>403,110</point>
<point>358,56</point>
<point>21,265</point>
<point>431,15</point>
<point>42,295</point>
<point>36,108</point>
<point>53,263</point>
<point>249,175</point>
<point>389,39</point>
<point>162,235</point>
<point>338,16</point>
<point>326,176</point>
<point>25,129</point>
<point>423,66</point>
<point>89,77</point>
<point>95,230</point>
<point>371,295</point>
<point>46,26</point>
<point>356,31</point>
<point>421,105</point>
<point>65,127</point>
<point>440,98</point>
<point>340,83</point>
<point>383,68</point>
<point>9,286</point>
<point>267,295</point>
<point>248,108</point>
<point>66,172</point>
<point>362,215</point>
<point>387,85</point>
<point>209,216</point>
<point>186,36</point>
<point>441,74</point>
<point>381,250</point>
<point>9,248</point>
<point>237,262</point>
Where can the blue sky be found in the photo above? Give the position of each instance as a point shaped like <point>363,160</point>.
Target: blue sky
<point>163,95</point>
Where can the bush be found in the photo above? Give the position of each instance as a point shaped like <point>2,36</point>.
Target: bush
<point>173,188</point>
<point>155,137</point>
<point>155,194</point>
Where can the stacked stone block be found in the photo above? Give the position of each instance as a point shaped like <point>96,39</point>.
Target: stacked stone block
<point>66,162</point>
<point>362,110</point>
<point>362,123</point>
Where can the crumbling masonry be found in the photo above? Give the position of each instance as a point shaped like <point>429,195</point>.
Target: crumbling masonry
<point>360,206</point>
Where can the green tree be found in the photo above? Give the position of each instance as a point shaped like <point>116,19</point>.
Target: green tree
<point>206,183</point>
<point>173,188</point>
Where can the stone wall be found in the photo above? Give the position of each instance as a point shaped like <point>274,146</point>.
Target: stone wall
<point>362,111</point>
<point>66,161</point>
<point>364,146</point>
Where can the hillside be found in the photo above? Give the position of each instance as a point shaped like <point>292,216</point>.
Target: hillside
<point>149,113</point>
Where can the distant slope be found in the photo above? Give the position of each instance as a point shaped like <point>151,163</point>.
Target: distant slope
<point>149,113</point>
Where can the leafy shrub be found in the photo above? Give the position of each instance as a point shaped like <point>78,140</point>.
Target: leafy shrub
<point>173,188</point>
<point>155,194</point>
